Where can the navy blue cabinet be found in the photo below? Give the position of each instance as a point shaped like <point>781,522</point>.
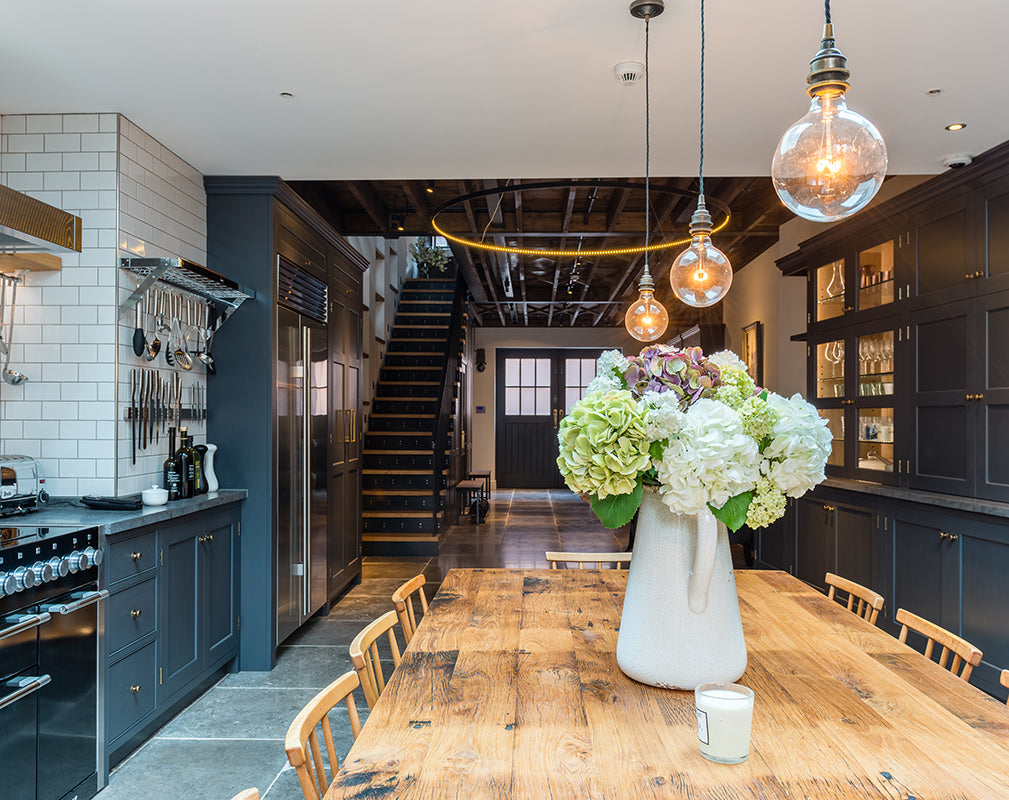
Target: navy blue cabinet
<point>171,621</point>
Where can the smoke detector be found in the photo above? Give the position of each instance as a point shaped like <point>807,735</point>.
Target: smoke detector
<point>629,72</point>
<point>957,160</point>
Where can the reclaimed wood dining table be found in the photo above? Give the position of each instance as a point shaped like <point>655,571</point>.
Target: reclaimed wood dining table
<point>510,689</point>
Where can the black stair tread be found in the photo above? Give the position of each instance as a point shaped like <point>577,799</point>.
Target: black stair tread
<point>423,314</point>
<point>410,399</point>
<point>409,383</point>
<point>408,536</point>
<point>367,471</point>
<point>400,514</point>
<point>412,339</point>
<point>402,416</point>
<point>421,327</point>
<point>404,452</point>
<point>401,366</point>
<point>400,492</point>
<point>439,301</point>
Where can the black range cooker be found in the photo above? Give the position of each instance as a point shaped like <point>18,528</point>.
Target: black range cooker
<point>49,600</point>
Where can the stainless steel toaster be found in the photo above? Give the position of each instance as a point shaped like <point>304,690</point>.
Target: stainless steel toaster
<point>22,485</point>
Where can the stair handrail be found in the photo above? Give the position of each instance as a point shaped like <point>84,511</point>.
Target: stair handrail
<point>443,416</point>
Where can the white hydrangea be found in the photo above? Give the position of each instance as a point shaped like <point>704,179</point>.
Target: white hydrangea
<point>800,444</point>
<point>726,358</point>
<point>604,382</point>
<point>663,417</point>
<point>709,460</point>
<point>612,359</point>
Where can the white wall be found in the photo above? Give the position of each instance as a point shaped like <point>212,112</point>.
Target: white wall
<point>134,197</point>
<point>483,450</point>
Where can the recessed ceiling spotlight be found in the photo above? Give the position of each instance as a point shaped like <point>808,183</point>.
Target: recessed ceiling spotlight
<point>933,92</point>
<point>287,94</point>
<point>430,187</point>
<point>956,126</point>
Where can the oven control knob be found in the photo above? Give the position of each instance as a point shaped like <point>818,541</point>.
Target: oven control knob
<point>43,572</point>
<point>94,556</point>
<point>78,561</point>
<point>24,578</point>
<point>8,585</point>
<point>60,567</point>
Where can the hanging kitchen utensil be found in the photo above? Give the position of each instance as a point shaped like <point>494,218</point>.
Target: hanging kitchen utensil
<point>133,413</point>
<point>208,338</point>
<point>153,346</point>
<point>13,377</point>
<point>169,320</point>
<point>139,341</point>
<point>182,357</point>
<point>3,303</point>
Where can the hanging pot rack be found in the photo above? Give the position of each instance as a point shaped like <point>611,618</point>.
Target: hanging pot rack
<point>223,292</point>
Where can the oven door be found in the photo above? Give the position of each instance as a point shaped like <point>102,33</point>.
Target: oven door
<point>19,703</point>
<point>68,709</point>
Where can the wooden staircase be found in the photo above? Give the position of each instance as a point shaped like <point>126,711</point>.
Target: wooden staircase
<point>405,468</point>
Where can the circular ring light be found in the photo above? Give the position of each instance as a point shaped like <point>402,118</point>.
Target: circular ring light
<point>610,251</point>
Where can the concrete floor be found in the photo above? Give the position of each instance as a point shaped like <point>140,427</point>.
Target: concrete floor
<point>231,738</point>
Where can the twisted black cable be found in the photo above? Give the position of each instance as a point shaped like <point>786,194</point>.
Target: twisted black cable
<point>826,11</point>
<point>648,144</point>
<point>700,168</point>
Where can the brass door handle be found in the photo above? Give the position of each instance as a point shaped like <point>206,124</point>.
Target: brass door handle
<point>555,418</point>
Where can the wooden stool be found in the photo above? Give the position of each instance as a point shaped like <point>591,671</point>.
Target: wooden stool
<point>482,475</point>
<point>471,490</point>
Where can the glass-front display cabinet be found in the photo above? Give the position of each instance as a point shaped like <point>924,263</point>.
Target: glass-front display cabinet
<point>853,386</point>
<point>863,282</point>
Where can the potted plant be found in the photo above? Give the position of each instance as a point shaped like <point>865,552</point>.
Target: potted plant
<point>428,258</point>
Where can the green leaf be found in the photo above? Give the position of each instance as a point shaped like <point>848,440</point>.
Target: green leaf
<point>657,449</point>
<point>733,513</point>
<point>617,510</point>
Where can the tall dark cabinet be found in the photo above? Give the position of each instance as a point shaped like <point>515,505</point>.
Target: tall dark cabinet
<point>254,225</point>
<point>908,361</point>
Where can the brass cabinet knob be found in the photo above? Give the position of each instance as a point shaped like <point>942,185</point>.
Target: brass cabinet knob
<point>135,689</point>
<point>136,612</point>
<point>136,556</point>
<point>943,535</point>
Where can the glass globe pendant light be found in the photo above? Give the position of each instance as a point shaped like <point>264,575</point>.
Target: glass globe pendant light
<point>701,275</point>
<point>830,163</point>
<point>646,320</point>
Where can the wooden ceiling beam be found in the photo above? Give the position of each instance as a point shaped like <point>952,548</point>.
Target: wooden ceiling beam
<point>415,193</point>
<point>366,195</point>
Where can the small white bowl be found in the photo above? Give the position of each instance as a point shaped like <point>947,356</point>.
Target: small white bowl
<point>155,496</point>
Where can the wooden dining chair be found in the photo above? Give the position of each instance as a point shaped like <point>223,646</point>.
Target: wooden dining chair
<point>581,559</point>
<point>403,599</point>
<point>302,740</point>
<point>1004,680</point>
<point>870,603</point>
<point>964,653</point>
<point>248,794</point>
<point>364,654</point>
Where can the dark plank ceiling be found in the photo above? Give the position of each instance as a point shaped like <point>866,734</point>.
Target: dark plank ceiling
<point>558,291</point>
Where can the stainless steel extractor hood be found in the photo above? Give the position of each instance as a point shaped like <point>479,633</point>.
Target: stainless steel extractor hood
<point>29,227</point>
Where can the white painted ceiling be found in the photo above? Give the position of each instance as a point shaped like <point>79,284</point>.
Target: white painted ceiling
<point>416,89</point>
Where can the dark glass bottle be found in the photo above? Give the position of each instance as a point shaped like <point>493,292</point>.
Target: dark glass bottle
<point>187,469</point>
<point>201,477</point>
<point>171,474</point>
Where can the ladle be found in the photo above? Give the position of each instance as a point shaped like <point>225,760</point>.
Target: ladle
<point>154,346</point>
<point>208,339</point>
<point>3,303</point>
<point>13,377</point>
<point>182,357</point>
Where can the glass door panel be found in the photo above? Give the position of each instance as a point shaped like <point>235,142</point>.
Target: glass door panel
<point>875,276</point>
<point>835,422</point>
<point>875,439</point>
<point>578,374</point>
<point>875,364</point>
<point>830,290</point>
<point>830,369</point>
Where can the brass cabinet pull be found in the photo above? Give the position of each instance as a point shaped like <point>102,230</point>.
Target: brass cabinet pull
<point>135,689</point>
<point>136,556</point>
<point>943,535</point>
<point>136,612</point>
<point>204,539</point>
<point>950,537</point>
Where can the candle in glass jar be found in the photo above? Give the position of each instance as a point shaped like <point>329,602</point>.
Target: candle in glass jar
<point>724,718</point>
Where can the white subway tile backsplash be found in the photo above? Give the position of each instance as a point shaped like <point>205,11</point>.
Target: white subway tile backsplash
<point>108,198</point>
<point>91,142</point>
<point>80,123</point>
<point>22,409</point>
<point>79,391</point>
<point>58,372</point>
<point>54,181</point>
<point>82,162</point>
<point>98,180</point>
<point>46,353</point>
<point>80,200</point>
<point>14,123</point>
<point>41,429</point>
<point>82,431</point>
<point>89,237</point>
<point>79,353</point>
<point>44,123</point>
<point>41,390</point>
<point>61,448</point>
<point>108,123</point>
<point>99,218</point>
<point>10,429</point>
<point>108,161</point>
<point>64,142</point>
<point>59,295</point>
<point>77,468</point>
<point>46,162</point>
<point>94,410</point>
<point>24,447</point>
<point>25,181</point>
<point>25,142</point>
<point>12,162</point>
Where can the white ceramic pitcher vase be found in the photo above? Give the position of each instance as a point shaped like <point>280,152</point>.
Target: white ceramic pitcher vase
<point>680,624</point>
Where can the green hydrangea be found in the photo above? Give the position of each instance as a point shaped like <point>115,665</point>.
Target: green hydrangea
<point>767,505</point>
<point>758,417</point>
<point>602,445</point>
<point>736,387</point>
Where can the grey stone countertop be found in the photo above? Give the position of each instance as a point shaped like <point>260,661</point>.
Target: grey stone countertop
<point>972,504</point>
<point>71,511</point>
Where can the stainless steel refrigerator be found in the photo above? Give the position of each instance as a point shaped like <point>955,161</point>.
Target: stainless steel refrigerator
<point>301,458</point>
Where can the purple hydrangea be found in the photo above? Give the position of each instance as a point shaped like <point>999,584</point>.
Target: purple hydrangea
<point>660,368</point>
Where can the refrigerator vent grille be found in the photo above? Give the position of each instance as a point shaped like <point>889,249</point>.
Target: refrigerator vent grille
<point>300,292</point>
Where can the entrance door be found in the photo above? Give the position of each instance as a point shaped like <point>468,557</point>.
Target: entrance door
<point>534,390</point>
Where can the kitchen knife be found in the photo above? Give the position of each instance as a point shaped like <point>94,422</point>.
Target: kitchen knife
<point>142,412</point>
<point>133,413</point>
